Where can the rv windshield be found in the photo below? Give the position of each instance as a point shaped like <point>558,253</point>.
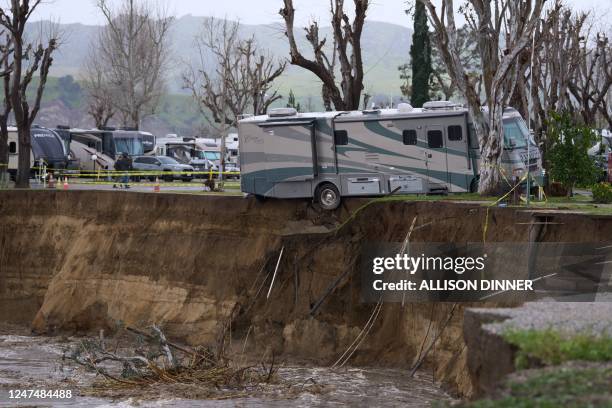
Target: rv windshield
<point>212,155</point>
<point>133,146</point>
<point>198,154</point>
<point>516,134</point>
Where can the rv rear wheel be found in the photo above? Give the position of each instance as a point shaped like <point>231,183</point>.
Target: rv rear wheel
<point>328,196</point>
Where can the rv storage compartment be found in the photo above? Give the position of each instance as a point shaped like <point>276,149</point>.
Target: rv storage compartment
<point>407,184</point>
<point>363,186</point>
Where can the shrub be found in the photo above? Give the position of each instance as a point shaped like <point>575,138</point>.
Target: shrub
<point>570,163</point>
<point>602,193</point>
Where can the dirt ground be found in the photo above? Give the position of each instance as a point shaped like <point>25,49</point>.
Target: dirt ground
<point>79,261</point>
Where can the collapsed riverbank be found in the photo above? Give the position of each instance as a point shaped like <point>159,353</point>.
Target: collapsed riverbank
<point>80,261</point>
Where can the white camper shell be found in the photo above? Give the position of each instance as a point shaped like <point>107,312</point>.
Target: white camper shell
<point>329,155</point>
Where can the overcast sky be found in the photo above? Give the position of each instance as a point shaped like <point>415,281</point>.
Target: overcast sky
<point>255,11</point>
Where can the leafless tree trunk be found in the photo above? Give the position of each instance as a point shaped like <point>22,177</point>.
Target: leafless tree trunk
<point>28,59</point>
<point>5,73</point>
<point>101,95</point>
<point>346,39</point>
<point>133,46</point>
<point>506,22</point>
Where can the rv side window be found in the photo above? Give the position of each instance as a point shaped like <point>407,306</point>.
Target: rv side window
<point>455,133</point>
<point>410,137</point>
<point>12,148</point>
<point>341,137</point>
<point>434,139</point>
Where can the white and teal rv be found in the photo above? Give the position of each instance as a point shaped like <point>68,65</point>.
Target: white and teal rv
<point>330,155</point>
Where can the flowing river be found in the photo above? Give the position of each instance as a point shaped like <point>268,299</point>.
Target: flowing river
<point>35,362</point>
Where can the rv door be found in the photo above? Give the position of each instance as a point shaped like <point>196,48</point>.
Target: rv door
<point>435,156</point>
<point>290,150</point>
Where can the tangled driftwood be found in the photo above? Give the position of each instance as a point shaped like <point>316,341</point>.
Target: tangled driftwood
<point>155,361</point>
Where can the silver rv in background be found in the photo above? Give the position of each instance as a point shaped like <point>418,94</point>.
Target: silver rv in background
<point>330,155</point>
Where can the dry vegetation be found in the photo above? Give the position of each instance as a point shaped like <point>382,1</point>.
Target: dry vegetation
<point>145,364</point>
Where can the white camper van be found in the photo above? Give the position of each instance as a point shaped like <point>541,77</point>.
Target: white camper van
<point>330,155</point>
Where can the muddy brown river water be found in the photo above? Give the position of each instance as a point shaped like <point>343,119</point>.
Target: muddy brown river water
<point>35,362</point>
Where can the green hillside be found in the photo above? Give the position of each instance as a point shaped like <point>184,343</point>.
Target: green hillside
<point>385,47</point>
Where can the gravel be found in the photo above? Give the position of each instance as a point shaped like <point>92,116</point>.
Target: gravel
<point>569,318</point>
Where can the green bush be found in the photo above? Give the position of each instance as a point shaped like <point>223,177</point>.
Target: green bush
<point>569,161</point>
<point>602,193</point>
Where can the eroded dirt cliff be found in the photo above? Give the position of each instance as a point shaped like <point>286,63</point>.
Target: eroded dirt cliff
<point>79,261</point>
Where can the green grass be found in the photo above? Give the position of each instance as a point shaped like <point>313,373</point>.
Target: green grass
<point>449,197</point>
<point>577,203</point>
<point>566,387</point>
<point>552,348</point>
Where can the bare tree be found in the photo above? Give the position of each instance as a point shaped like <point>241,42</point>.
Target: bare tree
<point>504,31</point>
<point>237,80</point>
<point>441,83</point>
<point>133,46</point>
<point>593,78</point>
<point>240,76</point>
<point>556,39</point>
<point>101,95</point>
<point>6,67</point>
<point>29,58</point>
<point>346,50</point>
<point>582,82</point>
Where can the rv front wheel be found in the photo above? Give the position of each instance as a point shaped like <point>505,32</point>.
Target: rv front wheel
<point>328,196</point>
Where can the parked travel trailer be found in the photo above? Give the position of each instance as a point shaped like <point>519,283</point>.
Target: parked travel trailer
<point>330,155</point>
<point>46,145</point>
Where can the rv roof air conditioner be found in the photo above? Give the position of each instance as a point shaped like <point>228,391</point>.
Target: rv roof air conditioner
<point>282,112</point>
<point>404,107</point>
<point>370,112</point>
<point>439,105</point>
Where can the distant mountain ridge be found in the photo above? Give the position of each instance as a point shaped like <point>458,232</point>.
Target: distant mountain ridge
<point>385,46</point>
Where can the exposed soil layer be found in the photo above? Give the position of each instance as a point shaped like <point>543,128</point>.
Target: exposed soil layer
<point>79,261</point>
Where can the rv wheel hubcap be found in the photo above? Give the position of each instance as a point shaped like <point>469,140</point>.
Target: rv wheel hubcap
<point>328,197</point>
